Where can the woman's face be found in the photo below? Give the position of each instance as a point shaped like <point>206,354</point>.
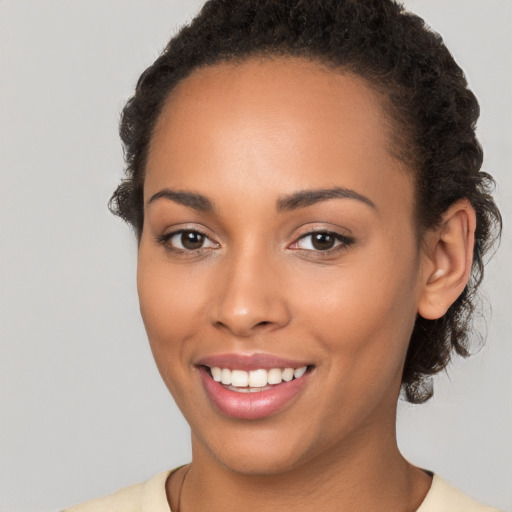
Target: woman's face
<point>278,233</point>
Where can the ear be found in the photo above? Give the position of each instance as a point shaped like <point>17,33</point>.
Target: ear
<point>447,260</point>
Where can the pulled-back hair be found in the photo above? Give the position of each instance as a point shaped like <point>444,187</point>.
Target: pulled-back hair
<point>433,112</point>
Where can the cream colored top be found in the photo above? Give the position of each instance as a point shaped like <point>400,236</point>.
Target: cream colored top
<point>150,497</point>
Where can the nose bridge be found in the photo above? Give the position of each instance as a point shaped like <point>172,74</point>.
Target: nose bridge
<point>249,297</point>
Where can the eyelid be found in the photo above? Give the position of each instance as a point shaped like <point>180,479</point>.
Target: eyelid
<point>343,241</point>
<point>165,238</point>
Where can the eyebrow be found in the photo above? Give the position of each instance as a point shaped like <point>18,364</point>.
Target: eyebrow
<point>295,201</point>
<point>191,199</point>
<point>304,198</point>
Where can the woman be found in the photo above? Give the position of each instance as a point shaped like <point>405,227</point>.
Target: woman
<point>304,182</point>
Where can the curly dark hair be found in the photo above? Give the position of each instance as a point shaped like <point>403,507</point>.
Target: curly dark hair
<point>427,97</point>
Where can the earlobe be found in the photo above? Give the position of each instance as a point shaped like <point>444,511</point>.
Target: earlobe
<point>448,257</point>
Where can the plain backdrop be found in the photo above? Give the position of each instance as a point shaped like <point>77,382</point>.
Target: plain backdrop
<point>83,411</point>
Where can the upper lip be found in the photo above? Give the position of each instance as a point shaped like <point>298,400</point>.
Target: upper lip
<point>249,362</point>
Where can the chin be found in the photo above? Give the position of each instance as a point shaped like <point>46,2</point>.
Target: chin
<point>260,449</point>
<point>266,462</point>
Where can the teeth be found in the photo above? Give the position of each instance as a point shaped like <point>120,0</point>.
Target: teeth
<point>239,378</point>
<point>216,374</point>
<point>274,376</point>
<point>256,378</point>
<point>299,372</point>
<point>288,374</point>
<point>225,376</point>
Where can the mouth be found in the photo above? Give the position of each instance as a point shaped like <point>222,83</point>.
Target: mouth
<point>255,388</point>
<point>241,381</point>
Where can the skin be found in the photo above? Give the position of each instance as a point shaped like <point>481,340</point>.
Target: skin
<point>245,136</point>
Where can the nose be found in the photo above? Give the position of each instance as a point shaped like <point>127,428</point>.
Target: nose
<point>250,296</point>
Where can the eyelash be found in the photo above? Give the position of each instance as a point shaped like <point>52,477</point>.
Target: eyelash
<point>344,242</point>
<point>165,240</point>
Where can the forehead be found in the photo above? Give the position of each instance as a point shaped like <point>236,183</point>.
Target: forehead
<point>278,93</point>
<point>283,119</point>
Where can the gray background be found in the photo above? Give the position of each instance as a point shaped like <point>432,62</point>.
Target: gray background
<point>83,411</point>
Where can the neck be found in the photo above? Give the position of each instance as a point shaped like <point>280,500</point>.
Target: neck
<point>366,473</point>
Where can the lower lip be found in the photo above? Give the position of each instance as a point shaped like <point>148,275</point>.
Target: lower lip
<point>251,406</point>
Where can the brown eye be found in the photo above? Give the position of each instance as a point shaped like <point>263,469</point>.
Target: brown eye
<point>192,240</point>
<point>322,241</point>
<point>186,240</point>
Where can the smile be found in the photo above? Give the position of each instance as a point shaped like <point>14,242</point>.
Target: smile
<point>242,381</point>
<point>252,387</point>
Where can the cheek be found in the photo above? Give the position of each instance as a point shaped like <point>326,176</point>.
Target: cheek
<point>169,301</point>
<point>363,316</point>
<point>364,338</point>
<point>170,308</point>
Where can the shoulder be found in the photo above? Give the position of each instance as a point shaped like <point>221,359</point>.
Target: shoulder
<point>142,497</point>
<point>442,497</point>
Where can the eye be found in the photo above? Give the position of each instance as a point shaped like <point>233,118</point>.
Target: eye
<point>186,240</point>
<point>322,241</point>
